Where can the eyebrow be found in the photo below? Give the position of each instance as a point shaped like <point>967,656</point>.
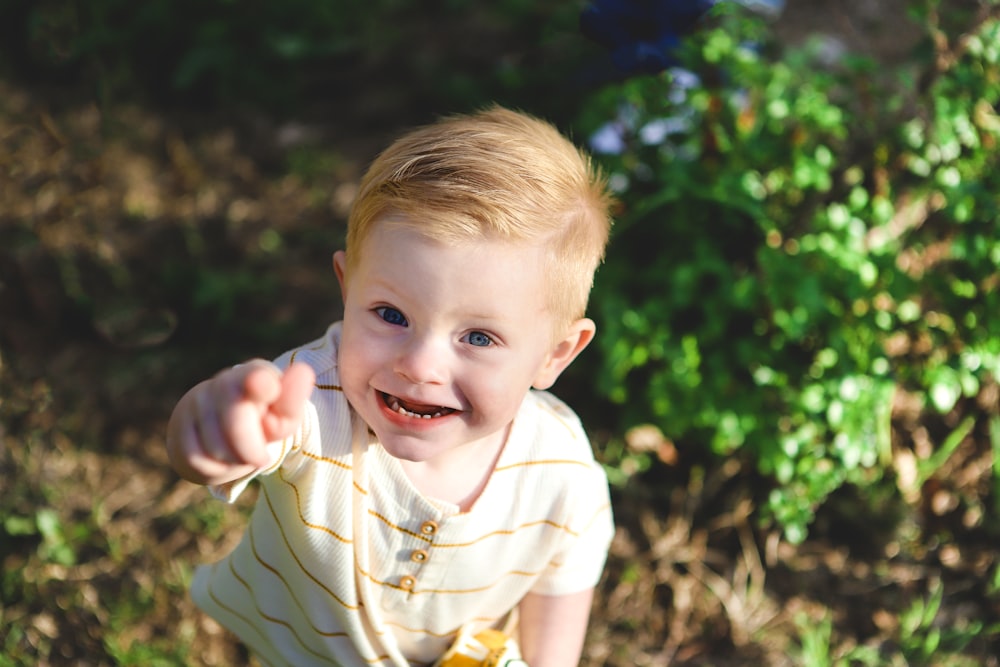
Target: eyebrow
<point>479,317</point>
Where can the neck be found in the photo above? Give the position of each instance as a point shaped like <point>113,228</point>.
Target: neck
<point>459,476</point>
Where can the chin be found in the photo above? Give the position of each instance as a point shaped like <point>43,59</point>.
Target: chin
<point>405,452</point>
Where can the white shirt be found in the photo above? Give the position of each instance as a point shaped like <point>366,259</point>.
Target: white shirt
<point>345,563</point>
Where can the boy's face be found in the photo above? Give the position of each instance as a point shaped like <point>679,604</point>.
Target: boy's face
<point>440,343</point>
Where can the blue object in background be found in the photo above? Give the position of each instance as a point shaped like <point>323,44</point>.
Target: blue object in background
<point>641,34</point>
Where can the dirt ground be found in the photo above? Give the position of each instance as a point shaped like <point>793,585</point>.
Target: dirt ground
<point>140,251</point>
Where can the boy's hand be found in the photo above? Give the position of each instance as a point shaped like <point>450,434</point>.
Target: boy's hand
<point>219,430</point>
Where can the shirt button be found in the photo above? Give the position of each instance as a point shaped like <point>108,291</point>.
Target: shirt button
<point>428,528</point>
<point>418,555</point>
<point>407,583</point>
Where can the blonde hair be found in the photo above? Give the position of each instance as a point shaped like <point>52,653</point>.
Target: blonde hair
<point>497,174</point>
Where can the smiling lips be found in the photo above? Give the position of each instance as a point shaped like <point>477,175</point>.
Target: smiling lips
<point>415,410</point>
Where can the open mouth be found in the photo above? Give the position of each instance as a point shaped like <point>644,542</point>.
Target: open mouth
<point>415,410</point>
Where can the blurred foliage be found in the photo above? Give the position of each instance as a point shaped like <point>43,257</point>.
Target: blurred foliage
<point>799,240</point>
<point>920,640</point>
<point>284,57</point>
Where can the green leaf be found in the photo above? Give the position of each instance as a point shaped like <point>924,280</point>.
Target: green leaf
<point>15,525</point>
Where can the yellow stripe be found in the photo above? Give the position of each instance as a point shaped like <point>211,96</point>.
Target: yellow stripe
<point>215,598</point>
<point>302,516</point>
<point>276,620</point>
<point>600,510</point>
<point>481,538</point>
<point>531,524</point>
<point>294,555</point>
<point>399,528</point>
<point>326,459</point>
<point>322,633</point>
<point>320,344</point>
<point>560,417</point>
<point>423,631</point>
<point>445,591</point>
<point>543,462</point>
<point>288,587</point>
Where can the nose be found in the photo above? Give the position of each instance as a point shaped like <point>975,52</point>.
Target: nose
<point>423,360</point>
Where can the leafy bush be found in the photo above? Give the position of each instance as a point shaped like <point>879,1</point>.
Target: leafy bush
<point>798,241</point>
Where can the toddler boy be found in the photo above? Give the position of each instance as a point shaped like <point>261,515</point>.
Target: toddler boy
<point>417,483</point>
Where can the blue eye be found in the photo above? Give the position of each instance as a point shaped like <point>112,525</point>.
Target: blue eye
<point>479,339</point>
<point>391,315</point>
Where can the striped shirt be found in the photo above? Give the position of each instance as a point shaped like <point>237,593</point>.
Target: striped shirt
<point>344,562</point>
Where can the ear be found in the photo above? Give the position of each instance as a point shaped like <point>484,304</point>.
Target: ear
<point>577,337</point>
<point>340,268</point>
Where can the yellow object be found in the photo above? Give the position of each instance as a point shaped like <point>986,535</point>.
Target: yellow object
<point>487,648</point>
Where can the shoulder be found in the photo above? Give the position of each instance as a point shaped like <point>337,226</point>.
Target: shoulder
<point>321,353</point>
<point>555,465</point>
<point>553,427</point>
<point>328,396</point>
<point>550,449</point>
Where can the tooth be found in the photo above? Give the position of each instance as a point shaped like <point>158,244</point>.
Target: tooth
<point>394,404</point>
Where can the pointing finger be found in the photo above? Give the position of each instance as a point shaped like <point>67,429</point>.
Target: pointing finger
<point>287,409</point>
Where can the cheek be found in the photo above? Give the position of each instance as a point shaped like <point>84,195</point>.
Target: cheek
<point>499,387</point>
<point>354,357</point>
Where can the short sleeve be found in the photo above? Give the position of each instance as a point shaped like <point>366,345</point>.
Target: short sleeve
<point>589,528</point>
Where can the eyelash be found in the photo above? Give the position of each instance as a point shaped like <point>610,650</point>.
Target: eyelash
<point>392,316</point>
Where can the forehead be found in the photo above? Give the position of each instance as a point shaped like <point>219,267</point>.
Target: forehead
<point>407,244</point>
<point>461,238</point>
<point>408,262</point>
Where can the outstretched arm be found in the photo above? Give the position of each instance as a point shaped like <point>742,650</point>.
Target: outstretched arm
<point>553,628</point>
<point>219,430</point>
